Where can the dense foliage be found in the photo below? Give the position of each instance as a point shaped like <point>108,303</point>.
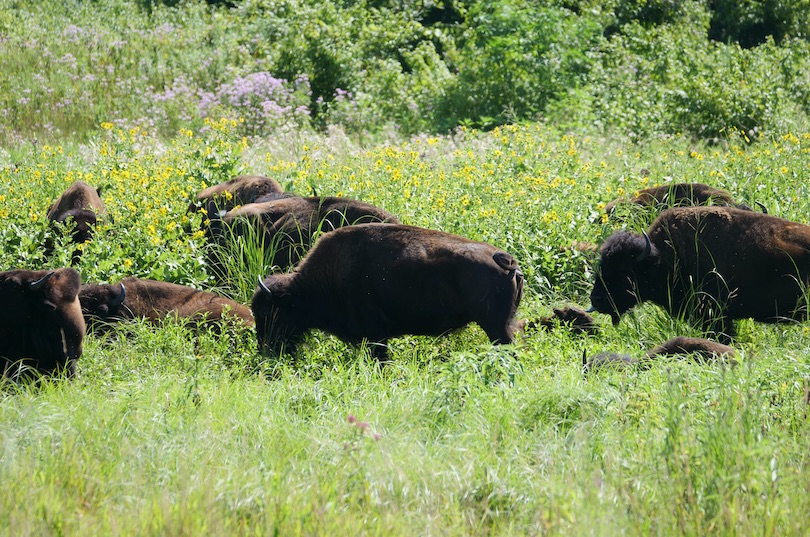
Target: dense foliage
<point>691,67</point>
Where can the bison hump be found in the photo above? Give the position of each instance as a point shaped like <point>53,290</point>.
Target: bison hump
<point>505,261</point>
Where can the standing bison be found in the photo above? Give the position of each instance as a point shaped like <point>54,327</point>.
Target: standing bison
<point>711,264</point>
<point>41,324</point>
<point>81,204</point>
<point>285,227</point>
<point>135,298</point>
<point>380,281</point>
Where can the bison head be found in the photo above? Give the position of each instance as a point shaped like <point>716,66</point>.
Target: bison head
<point>278,324</point>
<point>625,264</point>
<point>101,302</point>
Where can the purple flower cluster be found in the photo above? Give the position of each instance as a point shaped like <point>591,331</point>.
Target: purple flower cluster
<point>266,103</point>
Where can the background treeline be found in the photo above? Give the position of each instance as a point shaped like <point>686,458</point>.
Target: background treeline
<point>637,67</point>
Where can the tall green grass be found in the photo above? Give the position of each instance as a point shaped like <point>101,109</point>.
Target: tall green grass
<point>167,432</point>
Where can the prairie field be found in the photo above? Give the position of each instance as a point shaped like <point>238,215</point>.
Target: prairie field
<point>167,431</point>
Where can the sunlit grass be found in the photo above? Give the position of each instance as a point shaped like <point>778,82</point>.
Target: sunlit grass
<point>167,432</point>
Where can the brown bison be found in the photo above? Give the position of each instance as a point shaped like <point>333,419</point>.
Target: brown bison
<point>706,349</point>
<point>81,204</point>
<point>710,264</point>
<point>41,324</point>
<point>576,319</point>
<point>678,195</point>
<point>287,226</point>
<point>379,281</point>
<point>135,298</point>
<point>240,190</point>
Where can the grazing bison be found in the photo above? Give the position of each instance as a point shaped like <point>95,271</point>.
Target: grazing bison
<point>80,203</point>
<point>41,324</point>
<point>678,195</point>
<point>153,300</point>
<point>711,264</point>
<point>240,190</point>
<point>380,281</point>
<point>287,226</point>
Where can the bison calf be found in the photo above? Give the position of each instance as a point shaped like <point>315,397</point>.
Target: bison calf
<point>379,281</point>
<point>135,298</point>
<point>41,324</point>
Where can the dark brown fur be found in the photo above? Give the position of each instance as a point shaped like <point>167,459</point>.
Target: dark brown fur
<point>576,319</point>
<point>154,301</point>
<point>288,225</point>
<point>710,264</point>
<point>705,348</point>
<point>41,324</point>
<point>379,281</point>
<point>678,195</point>
<point>240,190</point>
<point>82,204</point>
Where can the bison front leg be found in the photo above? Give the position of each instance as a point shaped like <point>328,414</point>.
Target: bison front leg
<point>379,350</point>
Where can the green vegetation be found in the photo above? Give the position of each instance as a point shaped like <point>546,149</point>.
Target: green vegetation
<point>164,432</point>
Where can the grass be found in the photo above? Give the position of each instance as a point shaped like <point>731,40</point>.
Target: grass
<point>164,432</point>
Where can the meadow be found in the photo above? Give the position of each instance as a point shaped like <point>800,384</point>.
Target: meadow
<point>167,432</point>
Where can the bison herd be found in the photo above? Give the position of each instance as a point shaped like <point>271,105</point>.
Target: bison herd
<point>369,278</point>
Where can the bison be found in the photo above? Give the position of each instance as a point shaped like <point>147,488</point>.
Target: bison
<point>81,204</point>
<point>706,349</point>
<point>678,195</point>
<point>286,226</point>
<point>41,324</point>
<point>380,281</point>
<point>135,298</point>
<point>710,264</point>
<point>576,319</point>
<point>240,190</point>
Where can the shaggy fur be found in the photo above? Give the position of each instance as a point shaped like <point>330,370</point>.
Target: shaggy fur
<point>288,225</point>
<point>154,300</point>
<point>678,195</point>
<point>41,327</point>
<point>380,281</point>
<point>710,264</point>
<point>82,204</point>
<point>240,190</point>
<point>576,319</point>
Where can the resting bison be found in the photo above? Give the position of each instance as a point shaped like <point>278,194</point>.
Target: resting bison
<point>712,264</point>
<point>240,190</point>
<point>704,348</point>
<point>286,226</point>
<point>153,300</point>
<point>82,204</point>
<point>41,324</point>
<point>678,195</point>
<point>380,281</point>
<point>577,320</point>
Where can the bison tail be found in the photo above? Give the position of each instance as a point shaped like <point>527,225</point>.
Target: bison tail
<point>505,261</point>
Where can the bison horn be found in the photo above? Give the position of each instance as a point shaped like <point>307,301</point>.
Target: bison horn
<point>647,248</point>
<point>591,309</point>
<point>119,298</point>
<point>264,287</point>
<point>761,206</point>
<point>37,285</point>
